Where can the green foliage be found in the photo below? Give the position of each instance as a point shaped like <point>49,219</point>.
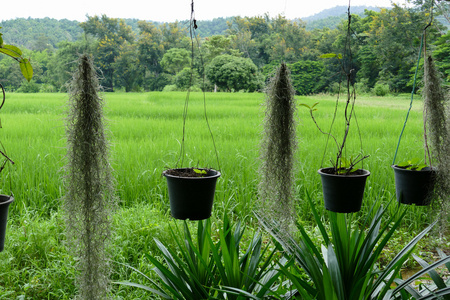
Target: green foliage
<point>40,34</point>
<point>307,76</point>
<point>186,78</point>
<point>233,73</point>
<point>442,55</point>
<point>345,266</point>
<point>15,53</point>
<point>206,269</point>
<point>202,172</point>
<point>412,164</point>
<point>378,36</point>
<point>380,89</point>
<point>175,60</point>
<point>438,289</point>
<point>29,87</point>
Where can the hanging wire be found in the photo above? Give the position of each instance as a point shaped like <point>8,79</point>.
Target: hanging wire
<point>3,151</point>
<point>194,38</point>
<point>414,83</point>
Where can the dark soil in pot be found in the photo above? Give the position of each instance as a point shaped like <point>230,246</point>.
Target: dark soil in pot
<point>191,193</point>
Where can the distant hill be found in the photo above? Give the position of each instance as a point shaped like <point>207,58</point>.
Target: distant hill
<point>39,34</point>
<point>331,17</point>
<point>46,33</point>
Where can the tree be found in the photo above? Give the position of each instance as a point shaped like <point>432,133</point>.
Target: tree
<point>127,67</point>
<point>175,60</point>
<point>308,76</point>
<point>233,73</point>
<point>442,55</point>
<point>150,51</point>
<point>394,36</point>
<point>61,65</point>
<point>111,33</point>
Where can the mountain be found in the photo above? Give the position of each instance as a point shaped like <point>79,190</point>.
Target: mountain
<point>39,34</point>
<point>46,33</point>
<point>331,17</point>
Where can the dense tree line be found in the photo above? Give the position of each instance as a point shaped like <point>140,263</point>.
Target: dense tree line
<point>135,55</point>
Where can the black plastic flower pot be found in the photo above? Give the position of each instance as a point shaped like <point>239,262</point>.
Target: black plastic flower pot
<point>412,186</point>
<point>5,201</point>
<point>343,193</point>
<point>191,197</point>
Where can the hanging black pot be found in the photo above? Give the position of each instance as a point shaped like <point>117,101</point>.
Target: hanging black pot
<point>191,194</point>
<point>343,193</point>
<point>412,186</point>
<point>5,201</point>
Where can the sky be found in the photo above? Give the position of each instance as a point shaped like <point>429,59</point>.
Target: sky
<point>171,10</point>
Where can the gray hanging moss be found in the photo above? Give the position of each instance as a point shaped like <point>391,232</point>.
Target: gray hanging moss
<point>436,114</point>
<point>89,198</point>
<point>277,149</point>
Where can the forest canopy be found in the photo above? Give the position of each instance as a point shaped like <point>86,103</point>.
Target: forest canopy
<point>230,54</point>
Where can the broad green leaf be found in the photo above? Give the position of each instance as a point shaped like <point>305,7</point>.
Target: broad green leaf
<point>420,167</point>
<point>26,68</point>
<point>305,105</point>
<point>11,50</point>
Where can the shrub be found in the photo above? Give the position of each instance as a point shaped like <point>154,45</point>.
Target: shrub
<point>381,89</point>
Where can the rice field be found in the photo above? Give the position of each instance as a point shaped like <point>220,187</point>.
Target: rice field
<point>146,133</point>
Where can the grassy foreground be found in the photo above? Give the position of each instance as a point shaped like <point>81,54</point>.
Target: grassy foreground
<point>145,133</point>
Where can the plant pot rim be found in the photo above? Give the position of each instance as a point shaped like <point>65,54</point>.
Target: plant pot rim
<point>365,173</point>
<point>8,198</point>
<point>426,169</point>
<point>215,175</point>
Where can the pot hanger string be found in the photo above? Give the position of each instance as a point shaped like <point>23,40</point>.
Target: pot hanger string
<point>414,87</point>
<point>194,40</point>
<point>3,151</point>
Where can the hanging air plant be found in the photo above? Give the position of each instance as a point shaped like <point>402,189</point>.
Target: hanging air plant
<point>436,111</point>
<point>278,146</point>
<point>89,198</point>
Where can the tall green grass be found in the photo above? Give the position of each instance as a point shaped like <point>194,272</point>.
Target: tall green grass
<point>146,132</point>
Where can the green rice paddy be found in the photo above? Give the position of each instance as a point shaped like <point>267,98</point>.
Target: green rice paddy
<point>146,132</point>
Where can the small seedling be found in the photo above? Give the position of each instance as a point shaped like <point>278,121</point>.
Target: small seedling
<point>412,164</point>
<point>200,172</point>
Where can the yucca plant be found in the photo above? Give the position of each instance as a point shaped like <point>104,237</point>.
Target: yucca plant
<point>89,199</point>
<point>208,269</point>
<point>438,289</point>
<point>345,267</point>
<point>277,150</point>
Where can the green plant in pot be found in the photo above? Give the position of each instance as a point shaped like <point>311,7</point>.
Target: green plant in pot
<point>343,184</point>
<point>191,190</point>
<point>27,71</point>
<point>414,182</point>
<point>420,182</point>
